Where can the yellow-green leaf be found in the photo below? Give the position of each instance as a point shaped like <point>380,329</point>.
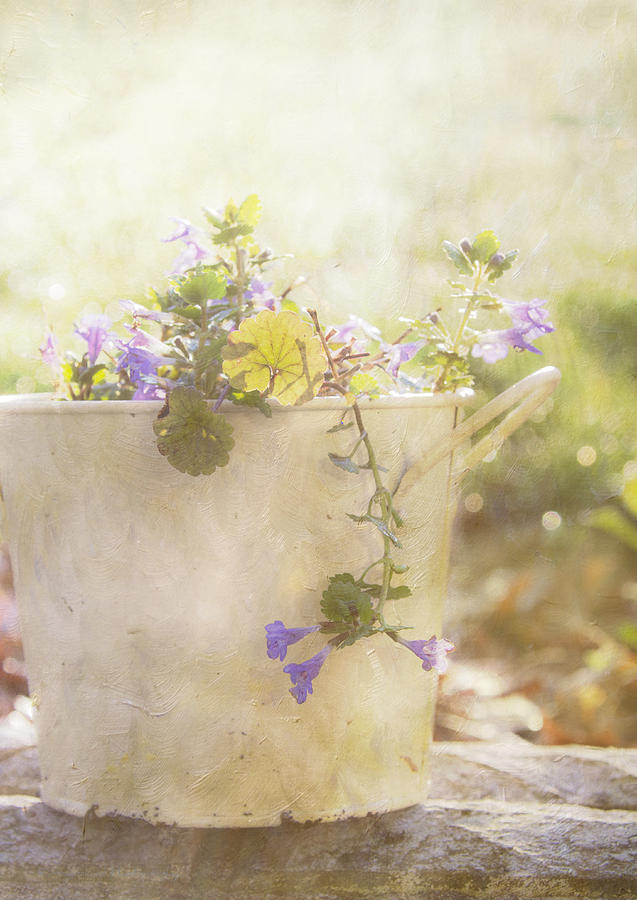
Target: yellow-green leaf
<point>363,383</point>
<point>276,354</point>
<point>250,210</point>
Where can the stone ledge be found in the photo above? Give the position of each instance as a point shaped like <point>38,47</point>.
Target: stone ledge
<point>504,821</point>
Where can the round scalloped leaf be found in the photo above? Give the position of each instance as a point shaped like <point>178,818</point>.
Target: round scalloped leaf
<point>277,354</point>
<point>193,438</point>
<point>344,600</point>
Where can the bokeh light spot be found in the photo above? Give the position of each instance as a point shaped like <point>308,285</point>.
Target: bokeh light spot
<point>57,291</point>
<point>586,456</point>
<point>473,502</point>
<point>551,520</point>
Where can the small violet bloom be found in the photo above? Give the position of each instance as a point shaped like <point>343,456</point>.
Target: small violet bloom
<point>49,353</point>
<point>529,315</point>
<point>147,390</point>
<point>141,356</point>
<point>530,322</point>
<point>400,353</point>
<point>279,638</point>
<point>137,311</point>
<point>193,251</point>
<point>433,652</point>
<point>355,323</point>
<point>96,332</point>
<point>261,295</point>
<point>302,674</point>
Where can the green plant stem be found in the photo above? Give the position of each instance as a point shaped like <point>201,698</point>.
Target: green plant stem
<point>384,497</point>
<point>440,381</point>
<point>238,253</point>
<point>385,506</point>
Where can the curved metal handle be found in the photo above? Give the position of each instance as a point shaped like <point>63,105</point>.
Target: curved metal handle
<point>521,399</point>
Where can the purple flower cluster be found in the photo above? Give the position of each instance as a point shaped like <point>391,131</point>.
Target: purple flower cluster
<point>529,320</point>
<point>141,356</point>
<point>192,252</point>
<point>432,653</point>
<point>279,638</point>
<point>261,295</point>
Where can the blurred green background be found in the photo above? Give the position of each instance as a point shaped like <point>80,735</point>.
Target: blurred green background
<point>371,131</point>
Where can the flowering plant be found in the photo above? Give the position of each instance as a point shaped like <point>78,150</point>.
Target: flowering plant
<point>220,333</point>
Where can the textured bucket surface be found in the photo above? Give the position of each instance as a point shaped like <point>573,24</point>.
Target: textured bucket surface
<point>144,594</point>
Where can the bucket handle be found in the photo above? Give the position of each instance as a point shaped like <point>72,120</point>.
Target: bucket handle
<point>521,399</point>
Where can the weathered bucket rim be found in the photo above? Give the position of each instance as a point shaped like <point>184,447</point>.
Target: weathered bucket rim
<point>58,404</point>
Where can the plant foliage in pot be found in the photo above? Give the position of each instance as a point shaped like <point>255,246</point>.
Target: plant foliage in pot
<point>231,493</point>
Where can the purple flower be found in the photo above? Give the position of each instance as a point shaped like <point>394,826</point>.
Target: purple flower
<point>433,652</point>
<point>141,355</point>
<point>193,250</point>
<point>397,354</point>
<point>261,295</point>
<point>494,345</point>
<point>302,674</point>
<point>530,315</point>
<point>279,638</point>
<point>95,331</point>
<point>49,353</point>
<point>530,322</point>
<point>185,231</point>
<point>149,391</point>
<point>355,323</point>
<point>137,311</point>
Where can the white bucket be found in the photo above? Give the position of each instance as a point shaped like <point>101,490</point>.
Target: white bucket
<point>144,593</point>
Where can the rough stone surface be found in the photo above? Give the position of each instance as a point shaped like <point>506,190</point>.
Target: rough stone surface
<point>504,821</point>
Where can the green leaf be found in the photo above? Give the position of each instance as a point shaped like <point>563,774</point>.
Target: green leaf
<point>362,383</point>
<point>275,353</point>
<point>250,210</point>
<point>88,375</point>
<point>193,438</point>
<point>369,466</point>
<point>379,524</point>
<point>209,356</point>
<point>342,426</point>
<point>344,462</point>
<point>231,211</point>
<point>215,218</point>
<point>399,592</point>
<point>363,631</point>
<point>389,628</point>
<point>395,593</point>
<point>458,258</point>
<point>345,601</point>
<point>228,235</point>
<point>485,245</point>
<point>199,287</point>
<point>253,399</point>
